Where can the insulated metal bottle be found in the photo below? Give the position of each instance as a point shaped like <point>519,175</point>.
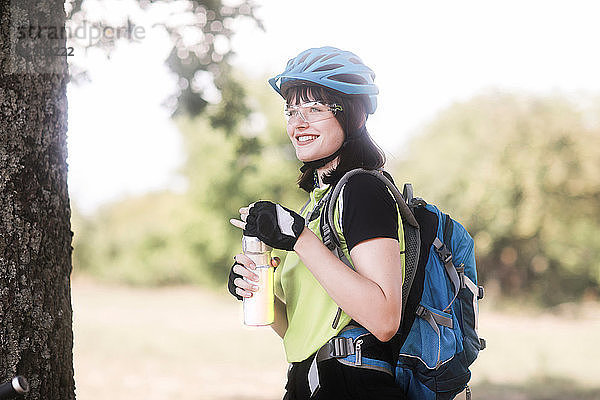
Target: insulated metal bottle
<point>259,309</point>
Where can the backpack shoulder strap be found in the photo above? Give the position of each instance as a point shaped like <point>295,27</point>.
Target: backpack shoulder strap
<point>448,229</point>
<point>405,213</point>
<point>412,238</point>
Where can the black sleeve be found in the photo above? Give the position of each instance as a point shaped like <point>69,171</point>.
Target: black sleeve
<point>369,210</point>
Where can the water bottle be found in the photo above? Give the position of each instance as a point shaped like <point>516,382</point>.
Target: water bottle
<point>259,310</point>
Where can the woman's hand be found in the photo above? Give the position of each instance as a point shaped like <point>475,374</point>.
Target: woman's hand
<point>241,223</point>
<point>273,224</point>
<point>243,281</point>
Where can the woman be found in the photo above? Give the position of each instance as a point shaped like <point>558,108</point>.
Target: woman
<point>321,302</point>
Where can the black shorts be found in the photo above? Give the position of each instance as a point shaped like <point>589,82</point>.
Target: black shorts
<point>339,381</point>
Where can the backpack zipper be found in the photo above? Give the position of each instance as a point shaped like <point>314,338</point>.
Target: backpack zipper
<point>358,352</point>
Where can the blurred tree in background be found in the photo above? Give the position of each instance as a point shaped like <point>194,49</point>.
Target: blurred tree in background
<point>165,238</point>
<point>227,170</point>
<point>200,34</point>
<point>134,241</point>
<point>518,171</point>
<point>521,173</point>
<point>173,238</point>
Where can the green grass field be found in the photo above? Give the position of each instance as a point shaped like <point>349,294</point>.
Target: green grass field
<point>189,343</point>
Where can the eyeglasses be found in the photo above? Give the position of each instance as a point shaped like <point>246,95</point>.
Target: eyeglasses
<point>310,112</point>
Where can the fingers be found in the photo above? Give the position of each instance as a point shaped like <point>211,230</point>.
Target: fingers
<point>243,293</point>
<point>245,272</point>
<point>245,260</point>
<point>241,223</point>
<point>237,223</point>
<point>245,287</point>
<point>248,284</point>
<point>244,211</point>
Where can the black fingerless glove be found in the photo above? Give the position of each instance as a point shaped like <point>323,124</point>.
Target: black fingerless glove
<point>274,224</point>
<point>230,285</point>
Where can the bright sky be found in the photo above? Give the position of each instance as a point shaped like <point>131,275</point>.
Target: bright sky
<point>425,54</point>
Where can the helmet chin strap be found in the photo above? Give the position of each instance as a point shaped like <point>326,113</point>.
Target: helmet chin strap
<point>315,164</point>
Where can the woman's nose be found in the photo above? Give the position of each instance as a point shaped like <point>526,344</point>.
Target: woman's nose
<point>298,122</point>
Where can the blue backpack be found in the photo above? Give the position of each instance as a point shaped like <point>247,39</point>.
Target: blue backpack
<point>438,330</point>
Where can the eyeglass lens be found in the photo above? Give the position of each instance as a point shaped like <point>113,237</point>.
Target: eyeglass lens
<point>308,112</point>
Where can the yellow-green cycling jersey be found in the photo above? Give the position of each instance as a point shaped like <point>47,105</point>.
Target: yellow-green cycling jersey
<point>310,310</point>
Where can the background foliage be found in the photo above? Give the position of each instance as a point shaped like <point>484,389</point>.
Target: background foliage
<point>166,238</point>
<point>199,31</point>
<point>520,172</point>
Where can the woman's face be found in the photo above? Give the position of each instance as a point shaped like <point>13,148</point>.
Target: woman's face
<point>315,140</point>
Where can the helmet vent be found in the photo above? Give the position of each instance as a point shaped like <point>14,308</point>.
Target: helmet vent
<point>304,57</point>
<point>354,60</point>
<point>349,78</point>
<point>328,67</point>
<point>313,61</point>
<point>329,57</point>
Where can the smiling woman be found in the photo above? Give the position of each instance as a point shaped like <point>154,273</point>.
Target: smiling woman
<point>337,133</point>
<point>320,300</point>
<point>313,130</point>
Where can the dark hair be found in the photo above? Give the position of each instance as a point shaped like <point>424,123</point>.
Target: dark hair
<point>358,150</point>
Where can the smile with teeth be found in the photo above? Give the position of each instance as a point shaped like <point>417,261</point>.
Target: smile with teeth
<point>307,138</point>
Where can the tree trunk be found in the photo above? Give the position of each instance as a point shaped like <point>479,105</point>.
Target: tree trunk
<point>36,338</point>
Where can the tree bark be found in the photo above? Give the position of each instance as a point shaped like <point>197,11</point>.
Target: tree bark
<point>36,338</point>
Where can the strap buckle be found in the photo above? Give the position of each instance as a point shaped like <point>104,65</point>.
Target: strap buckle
<point>442,251</point>
<point>480,292</point>
<point>341,347</point>
<point>461,275</point>
<point>417,202</point>
<point>421,311</point>
<point>327,237</point>
<point>482,344</point>
<point>445,254</point>
<point>433,318</point>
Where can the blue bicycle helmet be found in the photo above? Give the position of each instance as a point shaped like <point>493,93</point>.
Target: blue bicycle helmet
<point>333,68</point>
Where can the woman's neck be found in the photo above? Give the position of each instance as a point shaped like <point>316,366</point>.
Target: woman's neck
<point>322,171</point>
